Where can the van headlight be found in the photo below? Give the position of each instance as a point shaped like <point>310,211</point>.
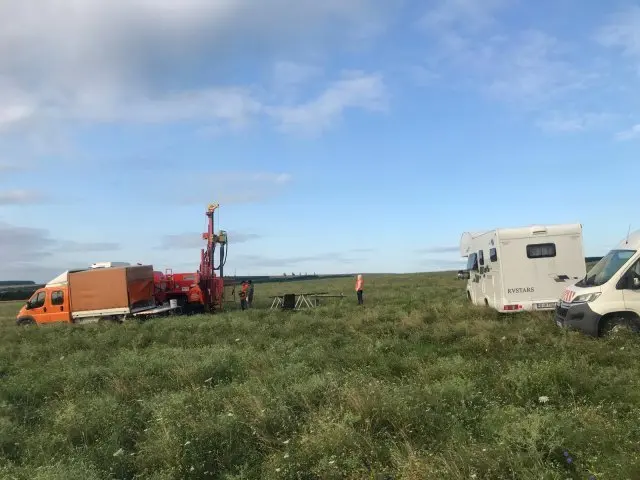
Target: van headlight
<point>587,297</point>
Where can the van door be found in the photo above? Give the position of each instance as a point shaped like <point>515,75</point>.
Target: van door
<point>38,307</point>
<point>631,294</point>
<point>58,306</point>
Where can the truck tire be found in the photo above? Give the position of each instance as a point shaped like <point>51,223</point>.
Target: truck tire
<point>619,321</point>
<point>22,321</point>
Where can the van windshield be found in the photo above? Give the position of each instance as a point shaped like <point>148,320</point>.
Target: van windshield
<point>606,268</point>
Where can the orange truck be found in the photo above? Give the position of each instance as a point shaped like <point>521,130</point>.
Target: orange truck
<point>90,295</point>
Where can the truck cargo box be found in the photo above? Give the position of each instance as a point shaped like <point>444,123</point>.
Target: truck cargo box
<point>128,288</point>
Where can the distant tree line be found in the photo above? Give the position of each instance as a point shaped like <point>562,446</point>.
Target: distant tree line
<point>16,294</point>
<point>22,290</point>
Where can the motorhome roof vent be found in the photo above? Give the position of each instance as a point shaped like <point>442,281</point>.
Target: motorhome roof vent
<point>538,230</point>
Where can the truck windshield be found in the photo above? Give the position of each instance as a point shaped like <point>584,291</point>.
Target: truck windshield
<point>606,268</point>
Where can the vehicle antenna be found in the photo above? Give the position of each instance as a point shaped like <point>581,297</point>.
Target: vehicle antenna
<point>628,232</point>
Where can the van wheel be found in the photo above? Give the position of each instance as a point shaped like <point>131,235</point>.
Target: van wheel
<point>22,321</point>
<point>617,323</point>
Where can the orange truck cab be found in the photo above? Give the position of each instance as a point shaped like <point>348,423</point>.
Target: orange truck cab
<point>93,294</point>
<point>46,305</point>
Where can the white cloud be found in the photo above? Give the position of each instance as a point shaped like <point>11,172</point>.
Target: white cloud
<point>632,133</point>
<point>528,67</point>
<point>439,265</point>
<point>14,114</point>
<point>622,31</point>
<point>422,76</point>
<point>194,241</point>
<point>532,68</point>
<point>538,73</point>
<point>354,90</point>
<point>308,261</point>
<point>7,168</point>
<point>25,252</point>
<point>441,249</point>
<point>468,15</point>
<point>21,197</point>
<point>287,74</point>
<point>68,64</point>
<point>576,122</point>
<point>232,187</point>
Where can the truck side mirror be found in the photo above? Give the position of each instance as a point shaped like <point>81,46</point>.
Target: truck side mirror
<point>28,305</point>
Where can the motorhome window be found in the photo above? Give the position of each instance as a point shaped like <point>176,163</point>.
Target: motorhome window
<point>541,250</point>
<point>481,257</point>
<point>57,297</point>
<point>606,268</point>
<point>472,262</point>
<point>493,255</point>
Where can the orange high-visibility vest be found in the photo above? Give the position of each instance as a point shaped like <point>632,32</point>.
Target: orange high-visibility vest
<point>359,284</point>
<point>195,294</point>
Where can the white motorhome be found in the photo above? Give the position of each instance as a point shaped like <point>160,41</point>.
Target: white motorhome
<point>608,296</point>
<point>524,268</point>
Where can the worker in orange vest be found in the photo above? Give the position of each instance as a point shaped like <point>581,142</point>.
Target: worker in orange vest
<point>250,294</point>
<point>359,286</point>
<point>243,295</point>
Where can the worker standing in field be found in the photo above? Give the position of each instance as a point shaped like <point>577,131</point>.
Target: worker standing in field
<point>359,287</point>
<point>243,295</point>
<point>250,294</point>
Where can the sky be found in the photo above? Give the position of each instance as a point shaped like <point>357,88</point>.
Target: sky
<point>337,137</point>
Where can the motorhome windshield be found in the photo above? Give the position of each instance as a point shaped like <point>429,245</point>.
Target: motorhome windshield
<point>472,262</point>
<point>606,268</point>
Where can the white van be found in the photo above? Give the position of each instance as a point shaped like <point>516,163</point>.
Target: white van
<point>609,294</point>
<point>524,268</point>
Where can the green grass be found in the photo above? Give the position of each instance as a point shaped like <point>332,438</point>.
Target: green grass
<point>415,385</point>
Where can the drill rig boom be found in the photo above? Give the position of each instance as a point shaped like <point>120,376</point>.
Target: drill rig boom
<point>212,286</point>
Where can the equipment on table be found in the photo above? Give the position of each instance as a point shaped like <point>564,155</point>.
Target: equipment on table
<point>296,301</point>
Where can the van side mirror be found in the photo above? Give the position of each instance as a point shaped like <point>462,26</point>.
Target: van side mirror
<point>635,283</point>
<point>28,305</point>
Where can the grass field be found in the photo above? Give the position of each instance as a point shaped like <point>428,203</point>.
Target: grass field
<point>415,385</point>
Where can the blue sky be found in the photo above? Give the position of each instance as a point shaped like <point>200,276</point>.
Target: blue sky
<point>360,136</point>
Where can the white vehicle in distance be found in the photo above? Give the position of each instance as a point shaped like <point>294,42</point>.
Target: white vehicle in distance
<point>523,268</point>
<point>608,296</point>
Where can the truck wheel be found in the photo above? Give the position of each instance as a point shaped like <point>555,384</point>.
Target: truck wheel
<point>23,321</point>
<point>616,323</point>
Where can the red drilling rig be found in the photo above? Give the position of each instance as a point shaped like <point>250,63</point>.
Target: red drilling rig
<point>202,291</point>
<point>212,286</point>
